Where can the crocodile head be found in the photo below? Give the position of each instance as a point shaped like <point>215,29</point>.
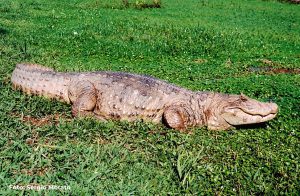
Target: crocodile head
<point>233,110</point>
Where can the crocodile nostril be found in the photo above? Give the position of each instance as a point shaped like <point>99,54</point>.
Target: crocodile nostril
<point>274,108</point>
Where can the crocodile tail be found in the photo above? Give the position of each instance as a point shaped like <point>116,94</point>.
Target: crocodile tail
<point>39,80</point>
<point>25,74</point>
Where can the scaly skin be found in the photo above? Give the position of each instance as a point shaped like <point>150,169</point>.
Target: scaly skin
<point>124,96</point>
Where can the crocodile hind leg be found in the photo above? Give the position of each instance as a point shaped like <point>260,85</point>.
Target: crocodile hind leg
<point>83,96</point>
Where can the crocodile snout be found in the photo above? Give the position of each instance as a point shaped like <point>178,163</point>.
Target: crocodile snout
<point>266,109</point>
<point>273,108</point>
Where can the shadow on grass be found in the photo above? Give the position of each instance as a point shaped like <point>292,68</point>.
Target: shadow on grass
<point>3,31</point>
<point>252,126</point>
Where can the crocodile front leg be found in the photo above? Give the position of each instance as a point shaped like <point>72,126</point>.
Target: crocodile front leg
<point>83,96</point>
<point>176,117</point>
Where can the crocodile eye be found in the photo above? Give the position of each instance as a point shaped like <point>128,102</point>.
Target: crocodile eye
<point>243,98</point>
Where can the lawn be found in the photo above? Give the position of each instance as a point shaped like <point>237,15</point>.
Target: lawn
<point>241,46</point>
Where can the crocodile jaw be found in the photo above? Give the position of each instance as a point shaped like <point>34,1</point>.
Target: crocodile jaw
<point>237,116</point>
<point>227,111</point>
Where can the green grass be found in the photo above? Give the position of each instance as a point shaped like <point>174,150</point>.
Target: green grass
<point>201,45</point>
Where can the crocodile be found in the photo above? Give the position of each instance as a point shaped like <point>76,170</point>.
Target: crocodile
<point>106,95</point>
